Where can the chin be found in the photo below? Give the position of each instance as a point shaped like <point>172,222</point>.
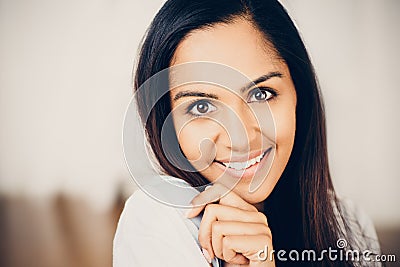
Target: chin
<point>241,188</point>
<point>255,197</point>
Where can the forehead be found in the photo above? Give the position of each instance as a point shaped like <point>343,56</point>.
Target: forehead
<point>238,44</point>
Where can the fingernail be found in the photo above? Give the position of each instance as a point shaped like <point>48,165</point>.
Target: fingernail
<point>206,255</point>
<point>207,187</point>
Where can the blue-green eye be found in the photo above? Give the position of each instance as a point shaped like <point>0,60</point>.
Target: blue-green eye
<point>201,107</point>
<point>260,94</point>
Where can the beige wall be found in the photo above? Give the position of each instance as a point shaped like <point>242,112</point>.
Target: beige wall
<point>65,82</point>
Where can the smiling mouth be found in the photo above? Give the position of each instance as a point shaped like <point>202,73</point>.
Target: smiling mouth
<point>237,165</point>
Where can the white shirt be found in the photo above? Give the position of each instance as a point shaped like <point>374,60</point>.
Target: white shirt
<point>152,233</point>
<point>148,231</point>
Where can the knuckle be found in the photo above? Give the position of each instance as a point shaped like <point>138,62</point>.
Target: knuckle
<point>226,241</point>
<point>263,217</point>
<point>216,227</point>
<point>269,233</point>
<point>218,253</point>
<point>230,260</point>
<point>209,209</point>
<point>267,238</point>
<point>203,240</point>
<point>267,230</point>
<point>253,208</point>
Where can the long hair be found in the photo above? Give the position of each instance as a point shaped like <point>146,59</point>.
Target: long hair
<point>302,208</point>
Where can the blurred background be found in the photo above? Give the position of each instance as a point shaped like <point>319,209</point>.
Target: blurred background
<point>65,82</point>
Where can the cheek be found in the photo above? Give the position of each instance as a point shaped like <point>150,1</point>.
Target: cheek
<point>285,123</point>
<point>197,138</point>
<point>285,127</point>
<point>189,141</point>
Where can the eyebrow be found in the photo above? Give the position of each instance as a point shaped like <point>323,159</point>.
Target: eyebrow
<point>194,93</point>
<point>260,79</point>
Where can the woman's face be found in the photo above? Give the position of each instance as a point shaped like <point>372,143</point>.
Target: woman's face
<point>230,133</point>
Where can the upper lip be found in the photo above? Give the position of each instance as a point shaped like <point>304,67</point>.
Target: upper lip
<point>243,158</point>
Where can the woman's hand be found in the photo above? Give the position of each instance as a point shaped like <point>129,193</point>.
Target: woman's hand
<point>232,229</point>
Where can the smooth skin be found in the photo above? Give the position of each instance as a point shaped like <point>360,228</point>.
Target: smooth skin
<point>233,227</point>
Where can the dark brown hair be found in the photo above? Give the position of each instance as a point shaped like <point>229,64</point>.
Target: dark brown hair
<point>301,208</point>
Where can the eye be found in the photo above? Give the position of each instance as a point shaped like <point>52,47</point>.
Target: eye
<point>201,107</point>
<point>260,94</point>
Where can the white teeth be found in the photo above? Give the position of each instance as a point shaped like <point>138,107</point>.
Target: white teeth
<point>243,165</point>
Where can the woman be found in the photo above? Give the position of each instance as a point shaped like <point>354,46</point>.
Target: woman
<point>294,206</point>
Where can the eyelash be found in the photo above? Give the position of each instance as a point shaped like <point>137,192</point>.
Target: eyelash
<point>262,89</point>
<point>194,103</point>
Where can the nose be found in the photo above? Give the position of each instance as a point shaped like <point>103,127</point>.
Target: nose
<point>242,128</point>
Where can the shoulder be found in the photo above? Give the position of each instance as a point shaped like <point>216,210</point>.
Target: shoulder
<point>138,228</point>
<point>142,208</point>
<point>154,207</point>
<point>360,228</point>
<point>144,216</point>
<point>152,233</point>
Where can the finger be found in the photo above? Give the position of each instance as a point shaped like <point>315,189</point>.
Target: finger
<point>217,212</point>
<point>248,246</point>
<point>234,200</point>
<point>211,194</point>
<point>218,193</point>
<point>224,228</point>
<point>239,259</point>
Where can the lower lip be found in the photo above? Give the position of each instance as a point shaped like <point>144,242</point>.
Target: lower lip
<point>246,174</point>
